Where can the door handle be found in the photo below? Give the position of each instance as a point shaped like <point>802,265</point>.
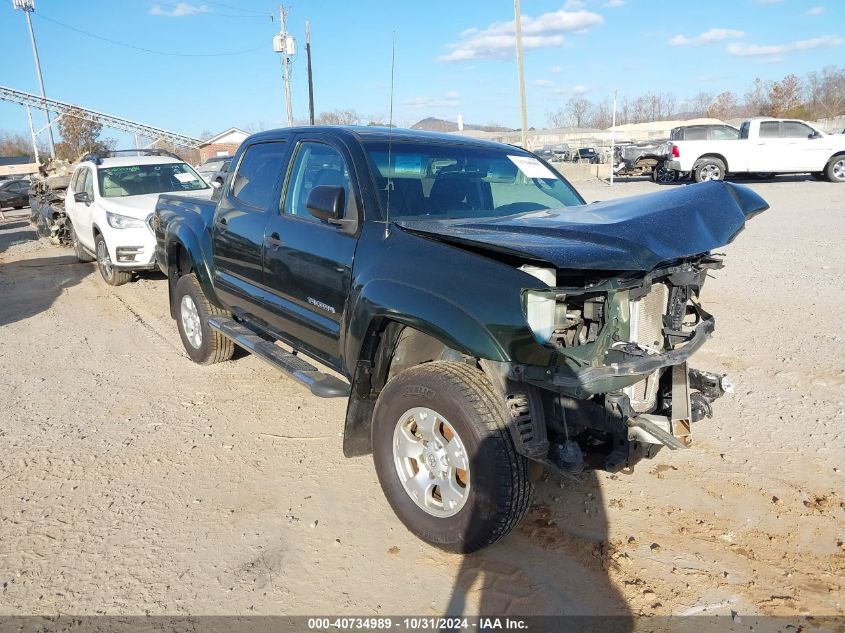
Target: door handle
<point>273,240</point>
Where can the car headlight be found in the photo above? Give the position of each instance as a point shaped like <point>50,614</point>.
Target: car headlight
<point>117,221</point>
<point>540,304</point>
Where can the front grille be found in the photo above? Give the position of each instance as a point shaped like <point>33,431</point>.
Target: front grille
<point>647,330</point>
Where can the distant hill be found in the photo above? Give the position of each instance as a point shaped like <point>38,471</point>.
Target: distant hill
<point>433,124</point>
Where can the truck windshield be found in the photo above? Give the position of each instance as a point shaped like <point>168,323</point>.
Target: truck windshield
<point>139,180</point>
<point>425,180</point>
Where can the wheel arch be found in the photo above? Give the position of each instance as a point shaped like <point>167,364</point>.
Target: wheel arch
<point>713,155</point>
<point>183,255</point>
<point>389,347</point>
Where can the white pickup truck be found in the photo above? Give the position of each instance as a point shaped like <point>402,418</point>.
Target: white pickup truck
<point>764,146</point>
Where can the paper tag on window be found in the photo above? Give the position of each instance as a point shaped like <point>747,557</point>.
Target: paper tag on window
<point>185,177</point>
<point>531,167</point>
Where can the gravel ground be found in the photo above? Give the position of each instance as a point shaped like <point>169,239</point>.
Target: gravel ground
<point>133,481</point>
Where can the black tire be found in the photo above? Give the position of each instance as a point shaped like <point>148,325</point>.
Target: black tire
<point>835,170</point>
<point>499,488</point>
<point>81,254</point>
<point>213,347</point>
<point>111,275</point>
<point>663,176</point>
<point>708,168</point>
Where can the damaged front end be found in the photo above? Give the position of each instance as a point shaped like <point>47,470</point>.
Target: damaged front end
<point>47,208</point>
<point>621,388</point>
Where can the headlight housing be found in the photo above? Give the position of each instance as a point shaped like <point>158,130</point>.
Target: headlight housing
<point>540,305</point>
<point>117,221</point>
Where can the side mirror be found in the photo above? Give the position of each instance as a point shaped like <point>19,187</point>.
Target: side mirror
<point>216,184</point>
<point>82,196</point>
<point>326,202</point>
<point>813,135</point>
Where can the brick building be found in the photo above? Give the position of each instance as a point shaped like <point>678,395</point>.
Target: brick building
<point>224,144</point>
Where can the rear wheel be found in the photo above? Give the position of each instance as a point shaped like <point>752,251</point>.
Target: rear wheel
<point>445,458</point>
<point>835,170</point>
<point>663,176</point>
<point>204,345</point>
<point>708,169</point>
<point>112,276</point>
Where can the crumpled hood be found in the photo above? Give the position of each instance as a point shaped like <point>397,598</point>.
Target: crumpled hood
<point>635,233</point>
<point>140,207</point>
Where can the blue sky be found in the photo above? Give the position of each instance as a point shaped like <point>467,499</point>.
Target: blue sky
<point>451,57</point>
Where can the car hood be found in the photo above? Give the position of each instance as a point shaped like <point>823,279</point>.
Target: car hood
<point>635,233</point>
<point>140,207</point>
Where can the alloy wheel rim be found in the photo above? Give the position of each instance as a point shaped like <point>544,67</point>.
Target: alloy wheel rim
<point>191,321</point>
<point>104,260</point>
<point>839,169</point>
<point>710,172</point>
<point>431,462</point>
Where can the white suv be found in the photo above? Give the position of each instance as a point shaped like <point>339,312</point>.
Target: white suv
<point>110,202</point>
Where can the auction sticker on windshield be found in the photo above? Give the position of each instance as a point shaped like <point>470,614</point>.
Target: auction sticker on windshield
<point>185,177</point>
<point>531,167</point>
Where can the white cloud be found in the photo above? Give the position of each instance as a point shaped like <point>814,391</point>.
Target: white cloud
<point>545,83</point>
<point>816,11</point>
<point>612,4</point>
<point>180,10</point>
<point>498,41</point>
<point>713,35</point>
<point>555,69</point>
<point>574,5</point>
<point>451,99</point>
<point>580,89</point>
<point>774,50</point>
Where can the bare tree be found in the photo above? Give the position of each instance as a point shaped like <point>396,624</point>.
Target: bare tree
<point>826,92</point>
<point>601,116</point>
<point>785,96</point>
<point>339,117</point>
<point>723,106</point>
<point>757,99</point>
<point>700,104</point>
<point>79,135</point>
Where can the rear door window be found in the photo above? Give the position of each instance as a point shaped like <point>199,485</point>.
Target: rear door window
<point>770,129</point>
<point>258,172</point>
<point>695,133</point>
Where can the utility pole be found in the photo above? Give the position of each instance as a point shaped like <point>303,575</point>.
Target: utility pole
<point>285,44</point>
<point>612,138</point>
<point>310,76</point>
<point>518,23</point>
<point>32,134</point>
<point>28,6</point>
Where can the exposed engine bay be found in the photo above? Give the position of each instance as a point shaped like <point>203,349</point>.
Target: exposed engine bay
<point>47,208</point>
<point>641,396</point>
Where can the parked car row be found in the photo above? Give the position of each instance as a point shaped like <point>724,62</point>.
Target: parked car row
<point>762,147</point>
<point>370,252</point>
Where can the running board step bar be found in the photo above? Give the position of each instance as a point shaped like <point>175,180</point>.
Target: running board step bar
<point>321,384</point>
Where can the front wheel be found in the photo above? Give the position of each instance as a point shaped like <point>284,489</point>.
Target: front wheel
<point>203,344</point>
<point>111,275</point>
<point>708,169</point>
<point>445,459</point>
<point>835,170</point>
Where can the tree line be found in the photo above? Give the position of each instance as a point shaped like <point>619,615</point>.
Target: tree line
<point>817,95</point>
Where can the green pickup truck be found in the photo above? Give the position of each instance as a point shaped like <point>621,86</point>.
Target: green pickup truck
<point>482,320</point>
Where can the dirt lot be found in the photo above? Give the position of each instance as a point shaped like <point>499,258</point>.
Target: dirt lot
<point>132,481</point>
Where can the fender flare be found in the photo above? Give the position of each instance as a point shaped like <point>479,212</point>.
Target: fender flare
<point>179,237</point>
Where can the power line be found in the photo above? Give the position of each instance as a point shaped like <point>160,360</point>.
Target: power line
<point>229,6</point>
<point>41,16</point>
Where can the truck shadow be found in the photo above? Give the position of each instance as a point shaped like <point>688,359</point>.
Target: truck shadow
<point>30,286</point>
<point>554,563</point>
